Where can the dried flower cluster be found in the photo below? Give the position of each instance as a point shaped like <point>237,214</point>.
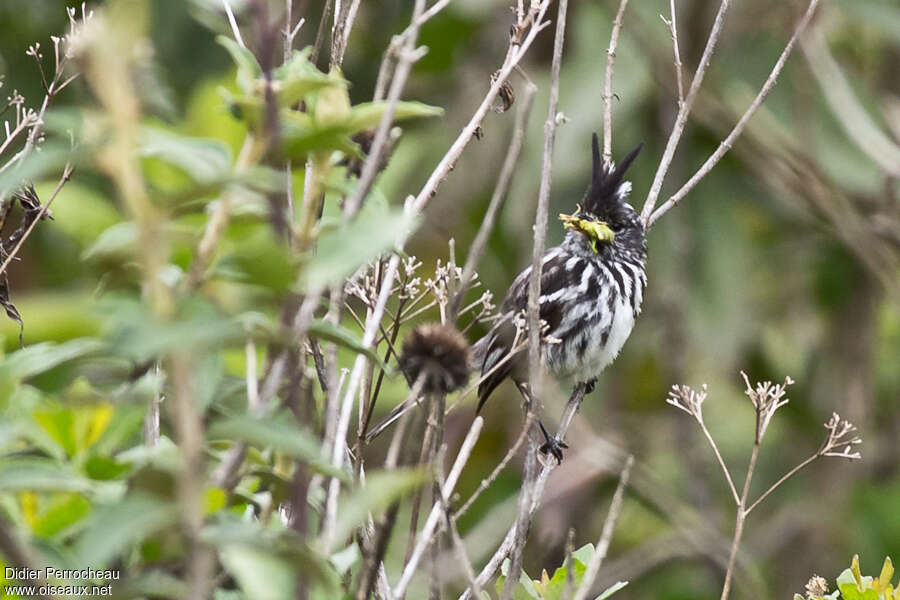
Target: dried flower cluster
<point>688,399</point>
<point>841,439</point>
<point>767,398</point>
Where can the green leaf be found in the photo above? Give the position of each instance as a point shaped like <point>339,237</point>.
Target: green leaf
<point>330,332</point>
<point>248,70</point>
<point>278,433</point>
<point>260,574</point>
<point>301,135</point>
<point>63,512</point>
<point>346,558</point>
<point>367,115</point>
<point>137,334</point>
<point>116,242</point>
<point>258,257</point>
<point>40,358</point>
<point>104,468</point>
<point>524,590</point>
<point>204,160</point>
<point>344,250</point>
<point>611,590</point>
<point>297,78</point>
<point>34,474</point>
<point>112,529</point>
<point>381,490</point>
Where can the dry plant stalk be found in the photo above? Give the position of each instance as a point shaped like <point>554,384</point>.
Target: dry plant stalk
<point>766,398</point>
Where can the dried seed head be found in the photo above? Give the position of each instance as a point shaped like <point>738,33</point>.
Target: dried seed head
<point>816,587</point>
<point>438,352</point>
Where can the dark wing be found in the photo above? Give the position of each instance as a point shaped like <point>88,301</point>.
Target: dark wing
<point>494,347</point>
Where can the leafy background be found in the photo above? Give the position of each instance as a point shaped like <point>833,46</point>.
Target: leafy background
<point>766,267</point>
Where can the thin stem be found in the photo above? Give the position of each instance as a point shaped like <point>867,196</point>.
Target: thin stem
<point>728,142</point>
<point>407,56</point>
<point>493,564</point>
<point>424,538</point>
<point>609,525</point>
<point>235,30</point>
<point>672,23</point>
<point>740,517</point>
<point>490,217</point>
<point>607,87</point>
<point>490,479</point>
<point>343,424</point>
<point>683,112</point>
<point>784,478</point>
<point>725,470</point>
<point>514,55</point>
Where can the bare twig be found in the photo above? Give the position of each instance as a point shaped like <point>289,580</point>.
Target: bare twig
<point>607,87</point>
<point>514,55</point>
<point>672,24</point>
<point>651,216</point>
<point>683,112</point>
<point>609,525</point>
<point>407,56</point>
<point>490,479</point>
<point>542,211</point>
<point>505,547</point>
<point>691,402</point>
<point>476,251</point>
<point>235,30</point>
<point>424,538</point>
<point>340,34</point>
<point>343,424</point>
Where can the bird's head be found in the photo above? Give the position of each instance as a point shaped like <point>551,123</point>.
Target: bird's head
<point>605,218</point>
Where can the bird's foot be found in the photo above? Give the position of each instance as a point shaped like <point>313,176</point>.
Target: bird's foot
<point>589,386</point>
<point>552,445</point>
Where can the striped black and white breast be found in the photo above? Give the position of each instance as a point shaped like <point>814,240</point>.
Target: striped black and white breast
<point>591,304</point>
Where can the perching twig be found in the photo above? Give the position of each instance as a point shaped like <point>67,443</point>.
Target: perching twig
<point>493,564</point>
<point>609,525</point>
<point>523,517</point>
<point>651,216</point>
<point>607,87</point>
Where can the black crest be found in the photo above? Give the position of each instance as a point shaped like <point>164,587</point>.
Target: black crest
<point>605,181</point>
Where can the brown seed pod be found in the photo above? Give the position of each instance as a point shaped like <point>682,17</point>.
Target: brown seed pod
<point>440,353</point>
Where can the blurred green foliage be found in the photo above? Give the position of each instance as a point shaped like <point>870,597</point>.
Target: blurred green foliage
<point>770,266</point>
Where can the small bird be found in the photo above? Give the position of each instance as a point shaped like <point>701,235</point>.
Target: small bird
<point>592,286</point>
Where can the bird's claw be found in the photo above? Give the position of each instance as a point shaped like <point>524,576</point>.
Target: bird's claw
<point>554,446</point>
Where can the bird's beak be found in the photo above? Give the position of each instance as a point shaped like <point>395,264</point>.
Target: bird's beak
<point>597,231</point>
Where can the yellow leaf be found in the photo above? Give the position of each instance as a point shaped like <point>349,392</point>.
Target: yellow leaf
<point>101,415</point>
<point>854,568</point>
<point>29,502</point>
